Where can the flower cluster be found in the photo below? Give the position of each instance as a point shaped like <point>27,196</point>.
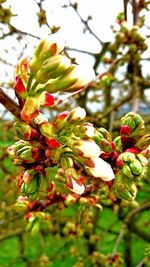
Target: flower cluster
<point>67,159</point>
<point>49,71</point>
<point>82,154</point>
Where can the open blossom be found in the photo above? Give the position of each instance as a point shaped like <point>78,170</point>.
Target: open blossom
<point>101,170</point>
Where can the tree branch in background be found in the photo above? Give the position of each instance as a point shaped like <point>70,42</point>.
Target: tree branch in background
<point>125,3</point>
<point>9,104</point>
<point>85,22</point>
<point>129,226</point>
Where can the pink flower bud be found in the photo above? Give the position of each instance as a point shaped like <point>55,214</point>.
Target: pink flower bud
<point>101,170</point>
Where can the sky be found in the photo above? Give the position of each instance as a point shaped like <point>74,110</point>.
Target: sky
<point>103,14</point>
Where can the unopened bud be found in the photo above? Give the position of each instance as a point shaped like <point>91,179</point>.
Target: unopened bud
<point>136,167</point>
<point>76,115</point>
<point>66,162</point>
<point>52,68</point>
<point>46,49</point>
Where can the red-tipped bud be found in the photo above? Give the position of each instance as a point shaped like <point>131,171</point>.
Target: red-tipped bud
<point>125,130</point>
<point>53,143</point>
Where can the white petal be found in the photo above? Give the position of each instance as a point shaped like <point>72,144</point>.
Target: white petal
<point>76,188</point>
<point>89,149</point>
<point>101,170</point>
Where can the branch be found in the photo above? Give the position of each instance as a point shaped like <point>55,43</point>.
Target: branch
<point>127,223</point>
<point>86,24</point>
<point>134,212</point>
<point>9,104</point>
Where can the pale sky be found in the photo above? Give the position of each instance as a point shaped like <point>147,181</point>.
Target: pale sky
<point>103,14</point>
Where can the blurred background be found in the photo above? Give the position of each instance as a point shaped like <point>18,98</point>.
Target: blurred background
<point>113,37</point>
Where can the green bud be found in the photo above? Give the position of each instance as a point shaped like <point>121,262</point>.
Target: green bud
<point>43,182</point>
<point>20,144</point>
<point>128,119</point>
<point>32,186</point>
<point>52,68</point>
<point>136,167</point>
<point>127,171</point>
<point>105,133</point>
<point>44,50</point>
<point>124,190</point>
<point>47,129</point>
<point>118,143</point>
<point>128,156</point>
<point>66,162</point>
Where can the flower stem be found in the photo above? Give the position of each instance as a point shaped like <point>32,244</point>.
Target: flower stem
<point>29,83</point>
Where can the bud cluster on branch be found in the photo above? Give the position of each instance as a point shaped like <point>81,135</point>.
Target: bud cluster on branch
<point>68,159</point>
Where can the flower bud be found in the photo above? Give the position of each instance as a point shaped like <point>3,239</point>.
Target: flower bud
<point>30,153</point>
<point>61,119</point>
<point>76,115</point>
<point>85,148</point>
<point>135,123</point>
<point>52,68</point>
<point>66,162</point>
<point>48,129</point>
<point>74,181</point>
<point>104,144</point>
<point>84,131</point>
<point>30,189</point>
<point>47,48</point>
<point>25,131</point>
<point>20,144</point>
<point>127,171</point>
<point>118,143</point>
<point>75,78</point>
<point>136,167</point>
<point>128,156</point>
<point>101,170</point>
<point>123,188</point>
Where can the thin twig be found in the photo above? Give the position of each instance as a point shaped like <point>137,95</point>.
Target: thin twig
<point>86,24</point>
